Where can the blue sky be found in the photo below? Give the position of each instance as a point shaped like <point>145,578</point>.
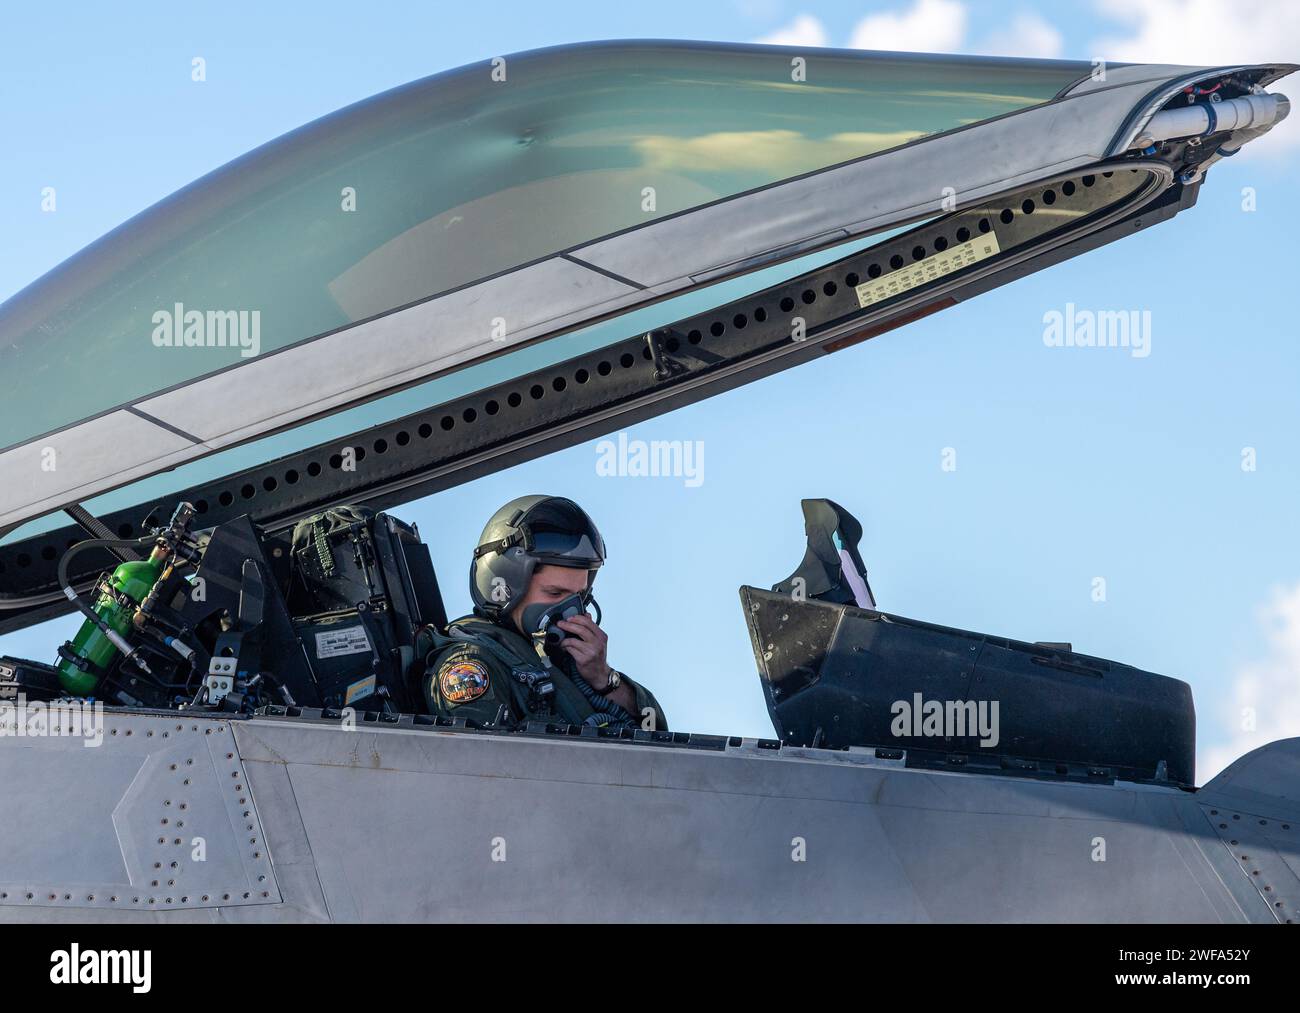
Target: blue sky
<point>1072,463</point>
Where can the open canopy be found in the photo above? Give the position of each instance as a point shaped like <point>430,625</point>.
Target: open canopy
<point>465,217</point>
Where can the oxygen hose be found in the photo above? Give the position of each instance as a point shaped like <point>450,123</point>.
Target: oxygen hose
<point>65,583</point>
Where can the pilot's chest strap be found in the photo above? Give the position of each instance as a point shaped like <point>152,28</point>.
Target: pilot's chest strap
<point>530,673</point>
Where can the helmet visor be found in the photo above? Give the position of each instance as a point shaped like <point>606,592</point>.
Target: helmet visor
<point>558,532</point>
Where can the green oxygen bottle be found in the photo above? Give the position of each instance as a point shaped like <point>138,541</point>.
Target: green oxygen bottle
<point>91,651</point>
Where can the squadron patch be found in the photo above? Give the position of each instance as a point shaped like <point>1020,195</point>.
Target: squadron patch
<point>462,681</point>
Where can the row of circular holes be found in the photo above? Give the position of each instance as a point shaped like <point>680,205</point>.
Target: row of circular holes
<point>134,900</point>
<point>604,368</point>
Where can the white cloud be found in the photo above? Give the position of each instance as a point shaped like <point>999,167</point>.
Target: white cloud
<point>1265,694</point>
<point>1208,32</point>
<point>804,30</point>
<point>1027,35</point>
<point>928,26</point>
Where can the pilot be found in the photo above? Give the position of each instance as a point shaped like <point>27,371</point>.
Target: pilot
<point>535,553</point>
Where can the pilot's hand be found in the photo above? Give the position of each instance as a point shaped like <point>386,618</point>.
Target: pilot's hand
<point>586,644</point>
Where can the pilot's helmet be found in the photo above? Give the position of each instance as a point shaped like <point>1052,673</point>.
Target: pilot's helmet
<point>528,532</point>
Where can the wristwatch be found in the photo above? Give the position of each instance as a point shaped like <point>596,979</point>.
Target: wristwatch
<point>613,681</point>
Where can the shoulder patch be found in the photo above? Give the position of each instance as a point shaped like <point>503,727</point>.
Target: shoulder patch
<point>462,681</point>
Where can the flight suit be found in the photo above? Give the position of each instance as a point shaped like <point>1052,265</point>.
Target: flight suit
<point>486,665</point>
